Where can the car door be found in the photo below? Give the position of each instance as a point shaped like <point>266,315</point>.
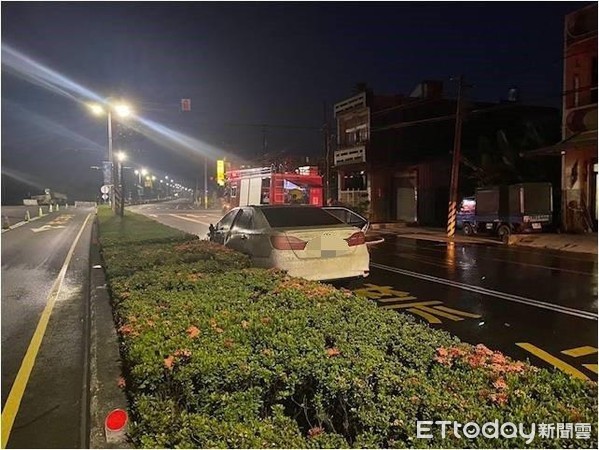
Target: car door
<point>240,236</point>
<point>222,230</point>
<point>349,217</point>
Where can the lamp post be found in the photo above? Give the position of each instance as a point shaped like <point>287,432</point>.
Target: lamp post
<point>122,110</point>
<point>121,157</point>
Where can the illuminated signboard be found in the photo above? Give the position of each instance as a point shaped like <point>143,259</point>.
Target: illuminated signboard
<point>220,172</point>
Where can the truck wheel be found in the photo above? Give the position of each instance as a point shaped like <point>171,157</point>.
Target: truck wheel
<point>504,233</point>
<point>467,229</point>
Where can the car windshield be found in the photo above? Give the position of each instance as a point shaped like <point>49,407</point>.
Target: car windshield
<point>298,217</point>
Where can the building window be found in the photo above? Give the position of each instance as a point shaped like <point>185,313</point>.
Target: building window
<point>354,181</point>
<point>576,89</point>
<point>362,133</point>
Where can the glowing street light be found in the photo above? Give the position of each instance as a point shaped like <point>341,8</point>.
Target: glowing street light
<point>122,110</point>
<point>96,109</point>
<point>121,156</point>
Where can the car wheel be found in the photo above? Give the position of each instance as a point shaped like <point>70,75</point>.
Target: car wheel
<point>504,233</point>
<point>467,229</point>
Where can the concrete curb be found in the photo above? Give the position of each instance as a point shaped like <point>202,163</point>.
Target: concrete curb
<point>105,362</point>
<point>575,244</point>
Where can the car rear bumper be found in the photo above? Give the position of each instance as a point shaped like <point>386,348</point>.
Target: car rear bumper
<point>319,269</point>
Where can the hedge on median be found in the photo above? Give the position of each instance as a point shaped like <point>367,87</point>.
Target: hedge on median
<point>218,354</point>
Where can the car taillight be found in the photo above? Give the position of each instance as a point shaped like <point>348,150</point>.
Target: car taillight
<point>281,242</point>
<point>356,239</point>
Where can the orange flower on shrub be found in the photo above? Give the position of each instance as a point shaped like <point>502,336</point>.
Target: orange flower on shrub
<point>169,361</point>
<point>228,343</point>
<point>193,331</point>
<point>331,352</point>
<point>245,324</point>
<point>500,384</point>
<point>500,398</point>
<point>315,431</point>
<point>126,329</point>
<point>265,320</point>
<point>443,357</point>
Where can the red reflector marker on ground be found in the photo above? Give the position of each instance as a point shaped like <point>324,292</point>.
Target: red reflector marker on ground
<point>115,425</point>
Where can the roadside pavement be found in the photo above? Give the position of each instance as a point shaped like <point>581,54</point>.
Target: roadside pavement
<point>581,243</point>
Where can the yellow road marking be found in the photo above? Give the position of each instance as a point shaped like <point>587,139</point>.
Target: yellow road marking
<point>428,317</point>
<point>395,299</point>
<point>437,312</point>
<point>13,402</point>
<point>580,351</point>
<point>410,305</point>
<point>555,362</point>
<point>591,367</point>
<point>458,312</point>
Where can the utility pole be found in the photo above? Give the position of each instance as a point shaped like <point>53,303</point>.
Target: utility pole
<point>205,182</point>
<point>122,190</point>
<point>455,166</point>
<point>113,172</point>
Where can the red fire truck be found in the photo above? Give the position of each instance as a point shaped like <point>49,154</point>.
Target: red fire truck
<point>267,186</point>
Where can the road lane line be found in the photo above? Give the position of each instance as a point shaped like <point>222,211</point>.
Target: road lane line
<point>555,362</point>
<point>13,402</point>
<point>187,218</point>
<point>491,293</point>
<point>580,351</point>
<point>461,313</point>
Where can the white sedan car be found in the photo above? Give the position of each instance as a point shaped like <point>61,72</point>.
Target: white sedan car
<point>306,241</point>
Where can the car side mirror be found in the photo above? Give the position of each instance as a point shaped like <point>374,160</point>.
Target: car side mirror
<point>211,230</point>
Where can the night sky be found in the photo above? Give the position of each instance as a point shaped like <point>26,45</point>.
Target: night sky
<point>242,65</point>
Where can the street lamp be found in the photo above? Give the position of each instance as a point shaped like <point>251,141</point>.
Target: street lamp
<point>121,110</point>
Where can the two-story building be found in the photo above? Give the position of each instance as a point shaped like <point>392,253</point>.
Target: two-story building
<point>394,152</point>
<point>373,174</point>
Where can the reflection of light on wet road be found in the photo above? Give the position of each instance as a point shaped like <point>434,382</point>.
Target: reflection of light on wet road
<point>450,257</point>
<point>468,259</point>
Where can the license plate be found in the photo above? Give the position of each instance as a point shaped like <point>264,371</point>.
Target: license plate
<point>536,226</point>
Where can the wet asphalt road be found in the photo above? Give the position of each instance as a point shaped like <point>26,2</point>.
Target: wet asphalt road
<point>539,305</point>
<point>531,304</point>
<point>49,414</point>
